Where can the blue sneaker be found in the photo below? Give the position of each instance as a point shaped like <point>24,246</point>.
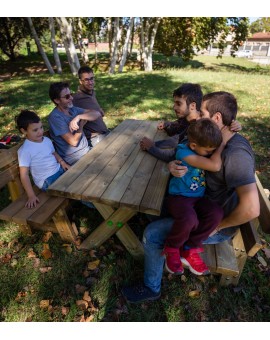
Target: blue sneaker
<point>139,293</point>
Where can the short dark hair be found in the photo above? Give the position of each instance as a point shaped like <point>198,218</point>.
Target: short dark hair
<point>191,92</point>
<point>84,69</point>
<point>56,89</point>
<point>25,118</point>
<point>205,133</point>
<point>223,102</point>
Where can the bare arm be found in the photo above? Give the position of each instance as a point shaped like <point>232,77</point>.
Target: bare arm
<point>211,164</point>
<point>248,207</point>
<point>60,160</point>
<point>25,179</point>
<point>87,115</point>
<point>73,139</point>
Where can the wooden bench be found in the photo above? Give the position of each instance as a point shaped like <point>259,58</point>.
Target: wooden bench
<point>50,213</point>
<point>229,258</point>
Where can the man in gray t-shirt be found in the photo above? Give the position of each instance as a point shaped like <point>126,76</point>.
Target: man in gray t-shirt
<point>85,98</point>
<point>66,124</point>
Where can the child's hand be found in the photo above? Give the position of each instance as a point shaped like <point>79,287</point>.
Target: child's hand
<point>32,202</point>
<point>161,125</point>
<point>226,134</point>
<point>146,143</point>
<point>235,126</point>
<point>64,165</point>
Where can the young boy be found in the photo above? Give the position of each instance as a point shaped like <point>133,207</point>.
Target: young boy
<point>195,217</point>
<point>37,154</point>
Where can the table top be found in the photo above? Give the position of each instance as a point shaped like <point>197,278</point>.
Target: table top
<point>117,172</point>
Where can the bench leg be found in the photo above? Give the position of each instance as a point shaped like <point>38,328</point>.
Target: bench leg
<point>67,231</point>
<point>25,229</point>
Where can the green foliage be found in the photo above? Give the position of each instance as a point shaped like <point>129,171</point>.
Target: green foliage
<point>260,25</point>
<point>185,35</point>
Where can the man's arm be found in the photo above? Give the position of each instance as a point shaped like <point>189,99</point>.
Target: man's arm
<point>248,207</point>
<point>73,139</point>
<point>87,115</point>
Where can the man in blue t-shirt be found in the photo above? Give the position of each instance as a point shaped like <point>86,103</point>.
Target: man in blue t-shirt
<point>66,124</point>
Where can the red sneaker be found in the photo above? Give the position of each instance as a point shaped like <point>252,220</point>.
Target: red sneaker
<point>173,263</point>
<point>192,260</point>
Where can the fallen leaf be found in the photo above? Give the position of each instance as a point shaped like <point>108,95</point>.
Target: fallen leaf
<point>46,253</point>
<point>93,265</point>
<point>47,236</point>
<point>20,295</point>
<point>82,304</point>
<point>6,258</point>
<point>65,310</point>
<point>86,296</point>
<point>14,263</point>
<point>84,230</point>
<point>45,269</point>
<point>89,318</point>
<point>31,254</point>
<point>194,293</point>
<point>68,248</point>
<point>92,253</point>
<point>44,304</point>
<point>183,278</point>
<point>36,262</point>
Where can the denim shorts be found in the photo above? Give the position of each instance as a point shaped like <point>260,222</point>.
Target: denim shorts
<point>48,181</point>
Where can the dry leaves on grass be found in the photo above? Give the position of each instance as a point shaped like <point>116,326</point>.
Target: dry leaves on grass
<point>46,253</point>
<point>93,265</point>
<point>6,258</point>
<point>68,248</point>
<point>47,236</point>
<point>44,304</point>
<point>194,293</point>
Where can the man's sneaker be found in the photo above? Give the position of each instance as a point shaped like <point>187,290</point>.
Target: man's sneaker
<point>139,293</point>
<point>172,262</point>
<point>192,260</point>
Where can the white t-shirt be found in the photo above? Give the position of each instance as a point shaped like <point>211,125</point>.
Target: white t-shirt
<point>39,158</point>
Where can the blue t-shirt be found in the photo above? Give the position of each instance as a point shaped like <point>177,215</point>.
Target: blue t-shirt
<point>193,183</point>
<point>59,125</point>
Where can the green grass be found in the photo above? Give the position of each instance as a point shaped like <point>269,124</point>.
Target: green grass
<point>132,94</point>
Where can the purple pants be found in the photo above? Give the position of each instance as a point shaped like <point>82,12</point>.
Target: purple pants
<point>194,220</point>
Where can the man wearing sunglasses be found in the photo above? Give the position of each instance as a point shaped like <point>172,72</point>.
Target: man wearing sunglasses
<point>66,124</point>
<point>85,98</point>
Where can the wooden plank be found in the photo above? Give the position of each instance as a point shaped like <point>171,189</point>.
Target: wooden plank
<point>8,156</point>
<point>9,175</point>
<point>121,180</point>
<point>264,217</point>
<point>251,238</point>
<point>67,231</point>
<point>46,211</point>
<point>24,214</point>
<point>123,147</point>
<point>225,257</point>
<point>106,229</point>
<point>209,257</point>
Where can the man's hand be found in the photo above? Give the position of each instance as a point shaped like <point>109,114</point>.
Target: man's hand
<point>32,202</point>
<point>146,143</point>
<point>176,169</point>
<point>74,124</point>
<point>161,125</point>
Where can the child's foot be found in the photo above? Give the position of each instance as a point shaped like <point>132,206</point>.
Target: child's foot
<point>172,262</point>
<point>192,260</point>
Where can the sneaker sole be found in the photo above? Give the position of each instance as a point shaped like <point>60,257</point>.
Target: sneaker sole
<point>153,298</point>
<point>187,265</point>
<point>171,272</point>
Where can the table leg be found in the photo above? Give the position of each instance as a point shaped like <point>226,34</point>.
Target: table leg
<point>115,223</point>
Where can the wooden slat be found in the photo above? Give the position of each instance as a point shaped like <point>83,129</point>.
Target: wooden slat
<point>225,257</point>
<point>209,257</point>
<point>9,175</point>
<point>67,231</point>
<point>8,156</point>
<point>251,238</point>
<point>264,217</point>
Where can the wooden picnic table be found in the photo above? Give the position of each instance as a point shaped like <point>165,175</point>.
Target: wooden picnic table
<point>120,180</point>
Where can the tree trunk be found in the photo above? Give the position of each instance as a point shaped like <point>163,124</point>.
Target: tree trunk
<point>81,46</point>
<point>131,41</point>
<point>66,33</point>
<point>54,46</point>
<point>116,39</point>
<point>110,36</point>
<point>40,48</point>
<point>125,48</point>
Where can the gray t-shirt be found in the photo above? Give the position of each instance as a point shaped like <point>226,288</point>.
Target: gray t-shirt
<point>238,168</point>
<point>58,126</point>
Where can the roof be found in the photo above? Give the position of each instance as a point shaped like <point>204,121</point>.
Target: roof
<point>260,36</point>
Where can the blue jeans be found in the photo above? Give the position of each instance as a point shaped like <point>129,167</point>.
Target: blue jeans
<point>48,181</point>
<point>154,238</point>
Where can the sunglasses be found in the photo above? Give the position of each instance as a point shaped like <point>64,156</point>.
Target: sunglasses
<point>67,96</point>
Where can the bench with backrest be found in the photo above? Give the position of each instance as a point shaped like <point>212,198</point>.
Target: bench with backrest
<point>229,258</point>
<point>49,215</point>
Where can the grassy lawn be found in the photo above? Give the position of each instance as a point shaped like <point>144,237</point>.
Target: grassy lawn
<point>34,288</point>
